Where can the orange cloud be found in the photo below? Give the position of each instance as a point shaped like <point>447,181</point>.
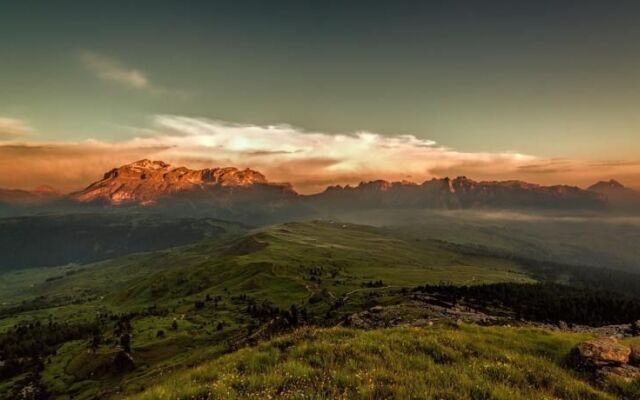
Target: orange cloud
<point>309,160</point>
<point>11,128</point>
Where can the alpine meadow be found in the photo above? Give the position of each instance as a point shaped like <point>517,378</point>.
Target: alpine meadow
<point>319,200</point>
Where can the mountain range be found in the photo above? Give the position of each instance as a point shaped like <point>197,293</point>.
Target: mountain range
<point>162,282</point>
<point>38,195</point>
<point>156,183</point>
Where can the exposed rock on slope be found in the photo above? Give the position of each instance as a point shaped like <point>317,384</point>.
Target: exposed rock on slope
<point>607,358</point>
<point>604,351</point>
<point>146,182</point>
<point>419,313</point>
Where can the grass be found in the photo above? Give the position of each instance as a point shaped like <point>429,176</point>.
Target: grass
<point>309,264</point>
<point>344,257</point>
<point>440,362</point>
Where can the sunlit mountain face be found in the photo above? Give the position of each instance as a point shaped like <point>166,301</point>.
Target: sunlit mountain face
<point>319,200</point>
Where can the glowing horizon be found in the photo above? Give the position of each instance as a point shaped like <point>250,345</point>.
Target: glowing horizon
<point>310,161</point>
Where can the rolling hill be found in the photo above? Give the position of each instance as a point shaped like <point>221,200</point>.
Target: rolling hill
<point>183,306</point>
<point>222,292</point>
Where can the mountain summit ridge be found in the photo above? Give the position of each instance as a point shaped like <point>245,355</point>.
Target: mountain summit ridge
<point>146,181</point>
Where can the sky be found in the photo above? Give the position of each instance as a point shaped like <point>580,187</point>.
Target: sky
<point>319,93</point>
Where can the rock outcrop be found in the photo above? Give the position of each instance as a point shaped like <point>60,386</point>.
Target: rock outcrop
<point>418,314</point>
<point>625,372</point>
<point>603,351</point>
<point>607,358</point>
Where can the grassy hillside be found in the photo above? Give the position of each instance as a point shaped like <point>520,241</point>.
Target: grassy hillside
<point>600,240</point>
<point>220,292</point>
<point>187,305</point>
<point>294,263</point>
<point>440,362</point>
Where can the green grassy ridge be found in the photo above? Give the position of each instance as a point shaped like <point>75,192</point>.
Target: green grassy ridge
<point>439,362</point>
<point>343,256</point>
<point>366,253</point>
<point>279,271</point>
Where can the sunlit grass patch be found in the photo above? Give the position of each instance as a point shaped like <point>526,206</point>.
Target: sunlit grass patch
<point>441,362</point>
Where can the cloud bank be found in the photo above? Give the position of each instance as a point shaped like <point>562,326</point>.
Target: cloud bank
<point>309,160</point>
<point>312,160</point>
<point>11,128</point>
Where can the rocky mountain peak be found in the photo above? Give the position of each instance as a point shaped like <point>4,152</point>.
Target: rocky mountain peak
<point>146,181</point>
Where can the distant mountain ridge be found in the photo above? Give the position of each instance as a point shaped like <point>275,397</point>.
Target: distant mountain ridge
<point>463,192</point>
<point>146,182</point>
<point>151,183</point>
<point>619,196</point>
<point>612,186</point>
<point>38,195</point>
<point>609,185</point>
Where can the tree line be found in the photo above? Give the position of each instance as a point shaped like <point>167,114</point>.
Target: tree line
<point>544,302</point>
